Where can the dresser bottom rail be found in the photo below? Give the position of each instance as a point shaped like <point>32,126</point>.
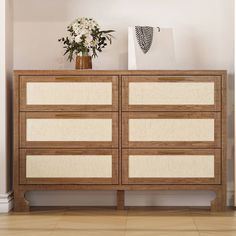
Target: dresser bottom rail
<point>23,205</point>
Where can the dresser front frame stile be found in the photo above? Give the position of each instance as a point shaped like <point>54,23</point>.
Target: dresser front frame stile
<point>119,182</point>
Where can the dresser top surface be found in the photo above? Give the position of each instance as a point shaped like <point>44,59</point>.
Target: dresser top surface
<point>122,72</point>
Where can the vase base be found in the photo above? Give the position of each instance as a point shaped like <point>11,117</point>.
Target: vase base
<point>83,63</point>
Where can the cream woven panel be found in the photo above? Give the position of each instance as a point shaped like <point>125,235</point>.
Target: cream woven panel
<point>171,93</point>
<point>69,93</point>
<point>171,166</point>
<point>171,130</point>
<point>69,130</point>
<point>68,166</point>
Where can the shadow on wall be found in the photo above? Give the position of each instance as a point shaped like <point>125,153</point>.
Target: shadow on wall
<point>108,198</point>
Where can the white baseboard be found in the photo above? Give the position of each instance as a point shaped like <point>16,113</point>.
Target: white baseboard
<point>6,202</point>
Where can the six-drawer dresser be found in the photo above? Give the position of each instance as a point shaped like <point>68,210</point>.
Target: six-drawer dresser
<point>120,130</point>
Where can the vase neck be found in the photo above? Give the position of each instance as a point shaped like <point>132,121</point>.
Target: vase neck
<point>85,53</point>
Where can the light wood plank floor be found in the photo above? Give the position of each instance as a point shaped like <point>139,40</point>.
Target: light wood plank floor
<point>110,222</point>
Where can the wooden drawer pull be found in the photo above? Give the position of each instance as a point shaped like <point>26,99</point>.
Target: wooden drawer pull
<point>172,79</point>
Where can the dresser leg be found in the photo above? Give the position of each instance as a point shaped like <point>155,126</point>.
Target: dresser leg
<point>120,199</point>
<point>20,203</point>
<point>219,203</point>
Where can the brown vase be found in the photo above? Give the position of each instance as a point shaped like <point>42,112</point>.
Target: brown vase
<point>83,62</point>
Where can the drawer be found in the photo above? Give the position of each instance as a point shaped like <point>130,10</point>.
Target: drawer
<point>151,93</point>
<point>171,166</point>
<point>81,93</point>
<point>55,166</point>
<point>171,129</point>
<point>74,129</point>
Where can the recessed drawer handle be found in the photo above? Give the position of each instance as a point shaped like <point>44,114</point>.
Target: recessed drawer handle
<point>69,79</point>
<point>171,79</point>
<point>66,116</point>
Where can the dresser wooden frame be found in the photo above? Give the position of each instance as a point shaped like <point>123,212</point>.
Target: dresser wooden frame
<point>61,79</point>
<point>112,180</point>
<point>68,115</point>
<point>120,147</point>
<point>167,115</point>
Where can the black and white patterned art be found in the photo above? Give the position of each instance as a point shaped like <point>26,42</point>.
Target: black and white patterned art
<point>144,36</point>
<point>150,48</point>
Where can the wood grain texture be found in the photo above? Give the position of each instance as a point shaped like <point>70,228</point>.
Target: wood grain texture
<point>120,200</point>
<point>175,80</point>
<point>106,221</point>
<point>171,115</point>
<point>20,204</point>
<point>120,112</point>
<point>70,143</point>
<point>57,152</point>
<point>131,187</point>
<point>119,72</point>
<point>68,79</point>
<point>219,203</point>
<point>178,152</point>
<point>120,132</point>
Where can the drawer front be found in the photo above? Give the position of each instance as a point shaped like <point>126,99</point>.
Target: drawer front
<point>68,166</point>
<point>86,93</point>
<point>171,129</point>
<point>151,93</point>
<point>74,129</point>
<point>171,166</point>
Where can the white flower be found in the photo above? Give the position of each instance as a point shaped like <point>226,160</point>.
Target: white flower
<point>94,43</point>
<point>87,44</point>
<point>89,38</point>
<point>80,34</point>
<point>83,24</point>
<point>78,39</point>
<point>75,27</point>
<point>82,29</point>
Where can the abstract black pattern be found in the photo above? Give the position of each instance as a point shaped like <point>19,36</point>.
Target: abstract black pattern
<point>144,35</point>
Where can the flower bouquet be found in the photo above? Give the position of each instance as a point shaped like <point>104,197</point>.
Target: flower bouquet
<point>85,40</point>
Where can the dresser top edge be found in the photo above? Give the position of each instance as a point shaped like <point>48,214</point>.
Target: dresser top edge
<point>121,72</point>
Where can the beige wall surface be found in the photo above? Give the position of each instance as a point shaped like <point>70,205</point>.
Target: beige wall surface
<point>204,39</point>
<point>6,62</point>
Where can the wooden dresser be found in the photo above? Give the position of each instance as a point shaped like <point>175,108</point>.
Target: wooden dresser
<point>120,130</point>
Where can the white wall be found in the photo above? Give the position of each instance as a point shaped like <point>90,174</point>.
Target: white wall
<point>204,39</point>
<point>6,65</point>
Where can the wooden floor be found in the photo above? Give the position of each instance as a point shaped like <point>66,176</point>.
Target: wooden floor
<point>109,222</point>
